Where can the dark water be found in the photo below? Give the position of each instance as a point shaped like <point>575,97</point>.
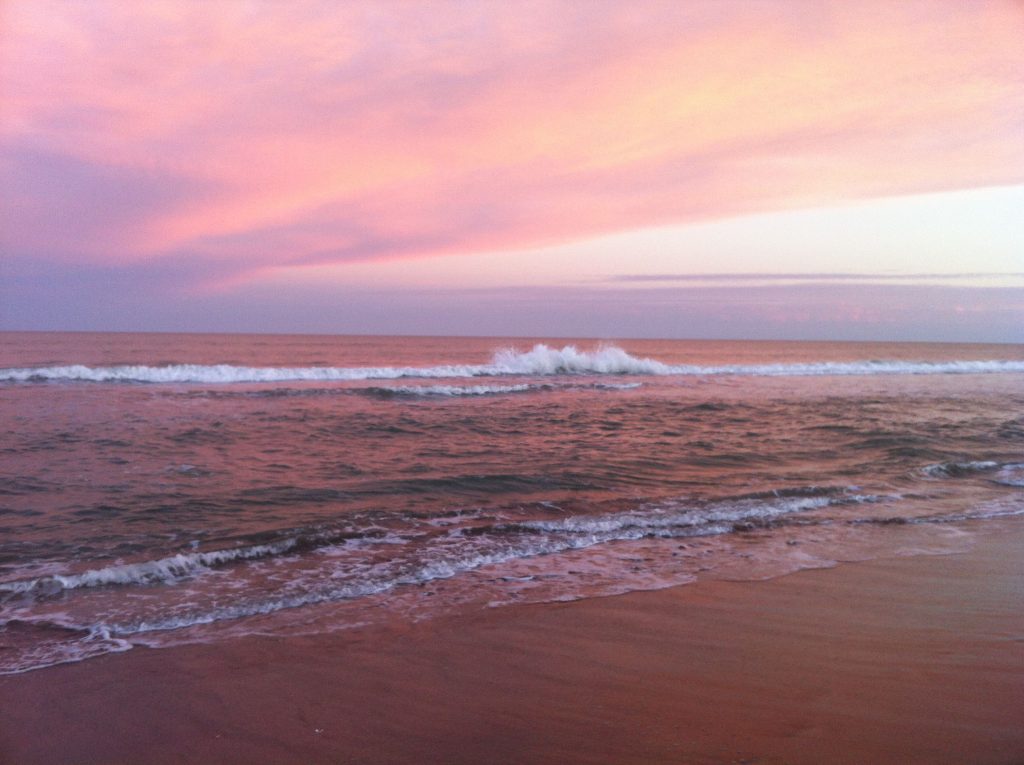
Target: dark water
<point>158,489</point>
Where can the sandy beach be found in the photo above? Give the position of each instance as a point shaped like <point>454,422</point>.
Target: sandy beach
<point>906,660</point>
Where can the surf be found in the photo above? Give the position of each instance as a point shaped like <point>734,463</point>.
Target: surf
<point>540,361</point>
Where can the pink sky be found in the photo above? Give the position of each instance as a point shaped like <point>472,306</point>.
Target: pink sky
<point>209,154</point>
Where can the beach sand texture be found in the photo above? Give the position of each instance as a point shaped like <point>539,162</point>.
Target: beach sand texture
<point>908,660</point>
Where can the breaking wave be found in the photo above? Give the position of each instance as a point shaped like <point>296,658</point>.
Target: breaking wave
<point>147,572</point>
<point>1010,475</point>
<point>958,469</point>
<point>1006,474</point>
<point>541,360</point>
<point>436,391</point>
<point>452,390</point>
<point>340,571</point>
<point>664,519</point>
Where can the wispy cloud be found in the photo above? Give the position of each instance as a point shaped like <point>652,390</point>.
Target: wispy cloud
<point>330,132</point>
<point>814,277</point>
<point>844,311</point>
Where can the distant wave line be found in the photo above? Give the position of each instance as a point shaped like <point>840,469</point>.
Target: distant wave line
<point>541,360</point>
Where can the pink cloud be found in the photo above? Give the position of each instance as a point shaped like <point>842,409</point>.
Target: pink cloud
<point>307,133</point>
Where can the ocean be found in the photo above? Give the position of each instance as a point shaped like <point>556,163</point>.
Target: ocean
<point>162,489</point>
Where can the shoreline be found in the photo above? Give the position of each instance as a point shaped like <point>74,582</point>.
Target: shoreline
<point>903,660</point>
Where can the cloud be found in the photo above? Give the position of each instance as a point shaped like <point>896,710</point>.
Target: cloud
<point>154,297</point>
<point>272,134</point>
<point>815,277</point>
<point>73,208</point>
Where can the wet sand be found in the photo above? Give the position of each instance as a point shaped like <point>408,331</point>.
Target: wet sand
<point>906,660</point>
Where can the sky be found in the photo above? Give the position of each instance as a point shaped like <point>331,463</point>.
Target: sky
<point>787,170</point>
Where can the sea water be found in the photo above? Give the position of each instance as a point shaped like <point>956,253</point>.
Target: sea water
<point>164,489</point>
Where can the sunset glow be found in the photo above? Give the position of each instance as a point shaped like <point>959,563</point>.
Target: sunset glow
<point>173,165</point>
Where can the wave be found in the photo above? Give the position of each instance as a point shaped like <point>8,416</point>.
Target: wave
<point>986,512</point>
<point>227,373</point>
<point>1005,474</point>
<point>414,391</point>
<point>958,469</point>
<point>669,521</point>
<point>467,549</point>
<point>664,519</point>
<point>470,543</point>
<point>48,642</point>
<point>435,391</point>
<point>185,564</point>
<point>146,572</point>
<point>541,360</point>
<point>452,390</point>
<point>1010,475</point>
<point>544,360</point>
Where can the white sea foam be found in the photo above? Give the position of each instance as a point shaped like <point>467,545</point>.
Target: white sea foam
<point>492,390</point>
<point>669,521</point>
<point>540,360</point>
<point>78,644</point>
<point>618,386</point>
<point>227,373</point>
<point>468,553</point>
<point>455,553</point>
<point>544,360</point>
<point>457,390</point>
<point>147,572</point>
<point>991,510</point>
<point>951,469</point>
<point>1010,475</point>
